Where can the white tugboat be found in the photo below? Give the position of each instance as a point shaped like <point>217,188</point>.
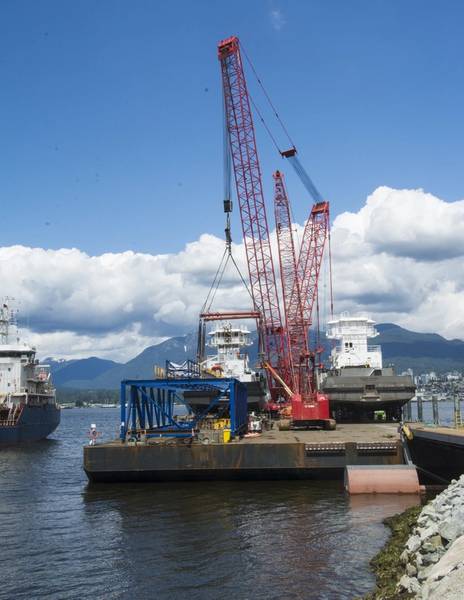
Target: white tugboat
<point>28,408</point>
<point>230,359</point>
<point>357,383</point>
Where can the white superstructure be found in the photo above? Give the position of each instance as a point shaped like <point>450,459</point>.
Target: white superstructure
<point>229,359</point>
<point>22,379</point>
<point>352,350</point>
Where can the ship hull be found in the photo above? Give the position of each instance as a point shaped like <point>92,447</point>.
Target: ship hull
<point>34,424</point>
<point>256,398</point>
<point>359,397</point>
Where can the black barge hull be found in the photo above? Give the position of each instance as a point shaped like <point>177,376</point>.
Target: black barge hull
<point>276,455</point>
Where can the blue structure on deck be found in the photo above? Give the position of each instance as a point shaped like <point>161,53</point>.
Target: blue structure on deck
<point>148,406</point>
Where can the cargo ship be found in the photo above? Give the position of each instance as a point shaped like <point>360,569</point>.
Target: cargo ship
<point>28,408</point>
<point>359,387</point>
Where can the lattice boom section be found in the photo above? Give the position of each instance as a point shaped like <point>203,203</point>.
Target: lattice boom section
<point>250,198</point>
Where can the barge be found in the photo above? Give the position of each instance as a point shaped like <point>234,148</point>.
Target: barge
<point>273,454</point>
<point>156,444</point>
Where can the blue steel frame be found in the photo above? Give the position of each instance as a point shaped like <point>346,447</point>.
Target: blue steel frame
<point>148,405</point>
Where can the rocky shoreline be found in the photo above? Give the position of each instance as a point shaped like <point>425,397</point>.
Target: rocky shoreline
<point>424,558</point>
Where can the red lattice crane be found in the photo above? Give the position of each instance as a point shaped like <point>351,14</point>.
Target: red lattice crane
<point>286,348</point>
<point>307,405</point>
<point>291,287</point>
<point>247,173</point>
<point>310,257</point>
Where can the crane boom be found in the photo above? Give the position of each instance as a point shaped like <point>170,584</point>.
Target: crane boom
<point>310,257</point>
<point>240,128</point>
<point>291,294</point>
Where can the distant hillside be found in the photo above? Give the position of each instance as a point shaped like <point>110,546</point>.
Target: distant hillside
<point>404,349</point>
<point>419,351</point>
<point>65,372</point>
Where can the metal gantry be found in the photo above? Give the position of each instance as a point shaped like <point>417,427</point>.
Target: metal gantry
<point>148,406</point>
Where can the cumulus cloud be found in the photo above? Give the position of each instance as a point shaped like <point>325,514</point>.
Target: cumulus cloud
<point>408,223</point>
<point>399,258</point>
<point>114,305</point>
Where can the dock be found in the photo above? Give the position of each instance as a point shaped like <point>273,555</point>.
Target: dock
<point>274,454</point>
<point>438,452</point>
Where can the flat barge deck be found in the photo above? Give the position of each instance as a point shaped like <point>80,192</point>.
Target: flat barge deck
<point>274,454</point>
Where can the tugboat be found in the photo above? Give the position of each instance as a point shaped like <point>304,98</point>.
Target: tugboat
<point>28,408</point>
<point>230,360</point>
<point>359,387</point>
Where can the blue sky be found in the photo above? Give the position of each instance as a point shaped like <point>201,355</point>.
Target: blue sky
<point>111,119</point>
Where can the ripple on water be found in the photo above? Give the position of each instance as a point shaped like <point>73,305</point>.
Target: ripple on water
<point>62,538</point>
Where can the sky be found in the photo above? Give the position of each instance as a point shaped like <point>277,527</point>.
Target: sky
<point>111,157</point>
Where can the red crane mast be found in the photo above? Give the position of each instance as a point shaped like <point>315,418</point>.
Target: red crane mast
<point>286,349</point>
<point>249,188</point>
<point>310,257</point>
<point>291,294</point>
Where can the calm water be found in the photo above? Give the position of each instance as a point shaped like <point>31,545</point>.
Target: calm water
<point>64,539</point>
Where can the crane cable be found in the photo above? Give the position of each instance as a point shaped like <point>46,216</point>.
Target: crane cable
<point>290,155</point>
<point>227,254</point>
<point>284,129</point>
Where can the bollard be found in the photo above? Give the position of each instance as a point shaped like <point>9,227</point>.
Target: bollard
<point>420,410</point>
<point>436,419</point>
<point>457,411</point>
<point>407,413</point>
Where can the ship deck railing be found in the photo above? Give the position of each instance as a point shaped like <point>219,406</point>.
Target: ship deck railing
<point>13,416</point>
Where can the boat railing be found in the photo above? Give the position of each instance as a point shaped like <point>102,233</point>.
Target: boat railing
<point>13,416</point>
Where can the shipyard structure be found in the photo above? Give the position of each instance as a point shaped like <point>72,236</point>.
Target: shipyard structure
<point>359,387</point>
<point>220,417</point>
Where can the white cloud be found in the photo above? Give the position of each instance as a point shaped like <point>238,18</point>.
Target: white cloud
<point>400,258</point>
<point>277,18</point>
<point>113,305</point>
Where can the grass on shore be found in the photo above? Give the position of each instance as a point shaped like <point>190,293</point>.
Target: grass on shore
<point>386,564</point>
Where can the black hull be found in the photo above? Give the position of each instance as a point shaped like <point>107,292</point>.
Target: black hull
<point>256,398</point>
<point>358,397</point>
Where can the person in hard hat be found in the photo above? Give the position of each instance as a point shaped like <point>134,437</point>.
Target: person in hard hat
<point>93,434</point>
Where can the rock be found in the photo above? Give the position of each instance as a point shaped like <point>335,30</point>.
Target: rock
<point>452,527</point>
<point>453,558</point>
<point>449,588</point>
<point>409,584</point>
<point>431,558</point>
<point>436,541</point>
<point>428,532</point>
<point>411,570</point>
<point>428,511</point>
<point>413,544</point>
<point>424,572</point>
<point>404,557</point>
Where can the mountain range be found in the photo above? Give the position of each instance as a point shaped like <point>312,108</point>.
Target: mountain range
<point>422,352</point>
